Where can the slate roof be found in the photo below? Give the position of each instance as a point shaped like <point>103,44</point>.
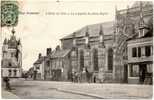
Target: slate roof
<point>93,30</point>
<point>60,53</point>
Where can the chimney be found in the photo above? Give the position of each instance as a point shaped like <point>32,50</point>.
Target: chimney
<point>57,48</point>
<point>48,51</point>
<point>39,55</point>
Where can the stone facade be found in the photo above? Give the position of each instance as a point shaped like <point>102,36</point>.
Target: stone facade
<point>92,49</point>
<point>102,52</point>
<point>127,26</point>
<point>60,62</point>
<point>11,57</point>
<point>101,49</point>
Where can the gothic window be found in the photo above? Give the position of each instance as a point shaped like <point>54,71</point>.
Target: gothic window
<point>15,72</point>
<point>110,59</point>
<point>95,59</point>
<point>10,72</point>
<point>134,52</point>
<point>81,60</point>
<point>147,50</point>
<point>139,51</point>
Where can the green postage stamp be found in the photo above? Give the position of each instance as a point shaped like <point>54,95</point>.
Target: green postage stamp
<point>9,13</point>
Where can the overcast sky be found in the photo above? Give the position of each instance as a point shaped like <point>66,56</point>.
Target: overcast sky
<point>42,29</point>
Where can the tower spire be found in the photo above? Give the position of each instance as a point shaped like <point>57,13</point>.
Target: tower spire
<point>13,31</point>
<point>143,28</point>
<point>101,35</point>
<point>101,30</point>
<point>74,40</point>
<point>141,15</point>
<point>87,31</point>
<point>116,12</point>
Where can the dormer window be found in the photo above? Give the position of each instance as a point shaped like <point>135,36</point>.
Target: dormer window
<point>141,33</point>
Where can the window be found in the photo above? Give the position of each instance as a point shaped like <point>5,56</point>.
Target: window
<point>149,68</point>
<point>110,59</point>
<point>134,52</point>
<point>38,67</point>
<point>48,63</point>
<point>134,71</point>
<point>10,64</point>
<point>15,72</point>
<point>95,60</point>
<point>10,72</point>
<point>139,51</point>
<point>147,50</point>
<point>81,60</point>
<point>12,55</point>
<point>141,33</point>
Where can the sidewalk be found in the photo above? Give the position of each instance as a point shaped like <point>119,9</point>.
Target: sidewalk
<point>108,91</point>
<point>8,95</point>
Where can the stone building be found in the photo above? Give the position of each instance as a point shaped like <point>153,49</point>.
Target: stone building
<point>103,52</point>
<point>102,49</point>
<point>140,52</point>
<point>60,64</point>
<point>42,66</point>
<point>11,57</point>
<point>39,68</point>
<point>128,23</point>
<point>92,49</point>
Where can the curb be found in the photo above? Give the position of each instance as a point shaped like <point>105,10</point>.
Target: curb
<point>82,93</point>
<point>8,95</point>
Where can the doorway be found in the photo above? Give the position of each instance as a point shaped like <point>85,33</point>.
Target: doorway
<point>142,72</point>
<point>125,73</point>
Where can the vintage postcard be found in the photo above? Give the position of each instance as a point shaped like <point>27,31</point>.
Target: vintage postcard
<point>76,49</point>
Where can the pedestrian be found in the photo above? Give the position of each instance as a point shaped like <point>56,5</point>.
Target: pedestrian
<point>94,79</point>
<point>7,83</point>
<point>26,76</point>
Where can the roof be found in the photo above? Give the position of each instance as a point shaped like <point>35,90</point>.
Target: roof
<point>60,53</point>
<point>39,61</point>
<point>93,30</point>
<point>144,3</point>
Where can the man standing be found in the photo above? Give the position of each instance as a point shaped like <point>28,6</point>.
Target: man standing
<point>7,84</point>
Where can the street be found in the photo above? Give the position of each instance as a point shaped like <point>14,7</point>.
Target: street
<point>28,89</point>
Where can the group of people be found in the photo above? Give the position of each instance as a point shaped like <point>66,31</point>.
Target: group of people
<point>83,76</point>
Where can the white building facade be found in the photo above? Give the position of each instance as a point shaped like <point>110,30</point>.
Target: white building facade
<point>11,57</point>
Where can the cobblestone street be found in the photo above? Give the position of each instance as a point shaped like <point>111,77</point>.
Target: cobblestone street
<point>49,89</point>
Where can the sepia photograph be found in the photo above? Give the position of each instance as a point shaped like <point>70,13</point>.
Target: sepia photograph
<point>76,49</point>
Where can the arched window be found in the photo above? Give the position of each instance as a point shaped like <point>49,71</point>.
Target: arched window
<point>15,72</point>
<point>95,59</point>
<point>110,59</point>
<point>10,72</point>
<point>81,60</point>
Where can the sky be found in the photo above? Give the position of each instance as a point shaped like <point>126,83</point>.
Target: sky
<point>42,24</point>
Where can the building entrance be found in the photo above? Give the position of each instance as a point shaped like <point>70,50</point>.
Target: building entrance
<point>145,75</point>
<point>142,72</point>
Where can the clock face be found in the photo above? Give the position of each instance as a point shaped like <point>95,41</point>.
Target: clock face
<point>9,13</point>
